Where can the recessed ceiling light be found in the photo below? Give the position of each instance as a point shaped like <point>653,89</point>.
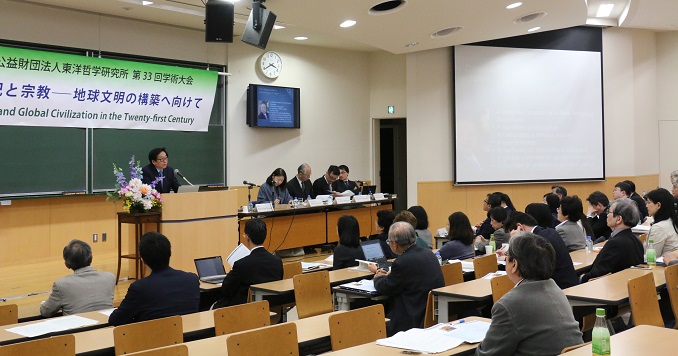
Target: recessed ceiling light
<point>347,23</point>
<point>514,5</point>
<point>604,10</point>
<point>147,3</point>
<point>445,32</point>
<point>411,44</point>
<point>533,29</point>
<point>301,38</point>
<point>278,27</point>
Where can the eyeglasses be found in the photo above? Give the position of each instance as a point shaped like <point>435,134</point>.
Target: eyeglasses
<point>164,159</point>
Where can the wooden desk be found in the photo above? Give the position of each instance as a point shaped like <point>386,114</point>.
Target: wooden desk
<point>286,286</point>
<point>372,348</point>
<point>611,289</point>
<point>478,290</point>
<point>585,259</point>
<point>138,220</point>
<point>7,337</point>
<point>639,340</point>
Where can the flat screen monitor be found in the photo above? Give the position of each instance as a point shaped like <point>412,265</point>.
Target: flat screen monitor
<point>271,106</point>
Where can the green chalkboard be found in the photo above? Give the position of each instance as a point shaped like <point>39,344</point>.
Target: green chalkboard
<point>42,160</point>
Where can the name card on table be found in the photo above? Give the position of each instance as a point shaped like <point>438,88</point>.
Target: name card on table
<point>315,202</point>
<point>343,200</point>
<point>361,198</point>
<point>264,207</point>
<point>379,196</point>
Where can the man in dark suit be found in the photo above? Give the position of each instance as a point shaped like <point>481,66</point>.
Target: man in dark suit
<point>323,185</point>
<point>640,201</point>
<point>159,172</point>
<point>413,274</point>
<point>165,292</point>
<point>300,186</point>
<point>623,249</point>
<point>263,112</point>
<point>259,267</point>
<point>597,216</point>
<point>624,190</point>
<point>343,183</point>
<point>563,274</point>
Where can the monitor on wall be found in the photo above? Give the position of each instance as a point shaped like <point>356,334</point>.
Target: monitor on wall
<point>272,106</point>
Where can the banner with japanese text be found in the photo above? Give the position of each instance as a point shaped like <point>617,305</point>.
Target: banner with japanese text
<point>39,88</point>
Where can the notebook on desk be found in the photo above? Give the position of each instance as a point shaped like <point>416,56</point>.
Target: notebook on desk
<point>210,269</point>
<point>374,253</point>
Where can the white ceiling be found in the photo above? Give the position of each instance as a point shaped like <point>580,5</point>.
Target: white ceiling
<point>414,22</point>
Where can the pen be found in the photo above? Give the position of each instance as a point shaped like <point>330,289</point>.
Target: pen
<point>456,322</point>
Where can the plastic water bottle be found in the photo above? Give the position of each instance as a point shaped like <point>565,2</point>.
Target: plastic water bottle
<point>589,244</point>
<point>601,335</point>
<point>493,243</point>
<point>371,196</point>
<point>651,254</point>
<point>440,259</point>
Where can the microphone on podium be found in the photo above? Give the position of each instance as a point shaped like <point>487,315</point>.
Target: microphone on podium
<point>176,171</point>
<point>248,183</point>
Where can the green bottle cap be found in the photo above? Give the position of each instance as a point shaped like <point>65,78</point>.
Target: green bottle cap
<point>600,312</point>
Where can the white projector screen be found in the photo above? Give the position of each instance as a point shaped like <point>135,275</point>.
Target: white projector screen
<point>527,115</point>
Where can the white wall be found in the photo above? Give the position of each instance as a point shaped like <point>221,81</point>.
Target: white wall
<point>667,102</point>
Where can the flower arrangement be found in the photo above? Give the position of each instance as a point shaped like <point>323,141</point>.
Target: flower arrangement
<point>137,197</point>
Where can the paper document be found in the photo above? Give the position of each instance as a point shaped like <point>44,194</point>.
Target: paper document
<point>466,266</point>
<point>494,274</point>
<point>640,229</point>
<point>309,266</point>
<point>346,193</point>
<point>576,263</point>
<point>53,325</point>
<point>438,338</point>
<point>365,285</point>
<point>107,312</point>
<point>239,252</point>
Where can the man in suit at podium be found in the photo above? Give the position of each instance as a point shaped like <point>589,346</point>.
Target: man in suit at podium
<point>259,267</point>
<point>300,186</point>
<point>158,168</point>
<point>343,183</point>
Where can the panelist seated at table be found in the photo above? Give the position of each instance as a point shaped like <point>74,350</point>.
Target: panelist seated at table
<point>85,290</point>
<point>165,292</point>
<point>274,190</point>
<point>159,172</point>
<point>348,249</point>
<point>460,234</point>
<point>623,249</point>
<point>260,266</point>
<point>533,318</point>
<point>412,276</point>
<point>300,186</point>
<point>323,185</point>
<point>343,183</point>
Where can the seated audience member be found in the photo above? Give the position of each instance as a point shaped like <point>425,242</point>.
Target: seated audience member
<point>274,190</point>
<point>623,249</point>
<point>85,290</point>
<point>597,216</point>
<point>460,246</point>
<point>300,186</point>
<point>623,190</point>
<point>497,217</point>
<point>348,249</point>
<point>343,183</point>
<point>260,266</point>
<point>640,201</point>
<point>323,185</point>
<point>384,222</point>
<point>533,318</point>
<point>484,228</point>
<point>664,229</point>
<point>412,276</point>
<point>541,213</point>
<point>422,224</point>
<point>574,227</point>
<point>559,190</point>
<point>506,202</point>
<point>409,218</point>
<point>553,203</point>
<point>563,273</point>
<point>165,292</point>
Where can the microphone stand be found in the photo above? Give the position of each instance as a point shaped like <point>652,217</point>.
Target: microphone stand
<point>249,194</point>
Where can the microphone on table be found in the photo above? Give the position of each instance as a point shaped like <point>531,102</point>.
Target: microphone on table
<point>176,171</point>
<point>248,183</point>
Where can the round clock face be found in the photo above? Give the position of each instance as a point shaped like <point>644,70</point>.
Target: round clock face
<point>270,64</point>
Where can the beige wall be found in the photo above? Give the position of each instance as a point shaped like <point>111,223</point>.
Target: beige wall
<point>667,105</point>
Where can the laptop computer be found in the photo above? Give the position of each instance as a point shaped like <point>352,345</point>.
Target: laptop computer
<point>374,253</point>
<point>210,269</point>
<point>188,189</point>
<point>367,189</point>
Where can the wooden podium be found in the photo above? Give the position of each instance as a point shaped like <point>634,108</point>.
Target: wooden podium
<point>201,224</point>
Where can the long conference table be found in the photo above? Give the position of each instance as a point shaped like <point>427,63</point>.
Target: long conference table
<point>308,226</point>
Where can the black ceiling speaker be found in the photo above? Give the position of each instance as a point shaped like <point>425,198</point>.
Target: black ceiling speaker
<point>219,21</point>
<point>259,26</point>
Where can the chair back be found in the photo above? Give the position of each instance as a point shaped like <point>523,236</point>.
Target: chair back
<point>9,314</point>
<point>484,265</point>
<point>642,238</point>
<point>174,350</point>
<point>312,294</point>
<point>500,286</point>
<point>278,339</point>
<point>292,269</point>
<point>429,316</point>
<point>63,345</point>
<point>344,330</point>
<point>644,302</point>
<point>671,274</point>
<point>574,347</point>
<point>452,273</point>
<point>241,317</point>
<point>147,335</point>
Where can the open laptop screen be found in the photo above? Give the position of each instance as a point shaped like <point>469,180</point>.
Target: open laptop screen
<point>209,266</point>
<point>372,250</point>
